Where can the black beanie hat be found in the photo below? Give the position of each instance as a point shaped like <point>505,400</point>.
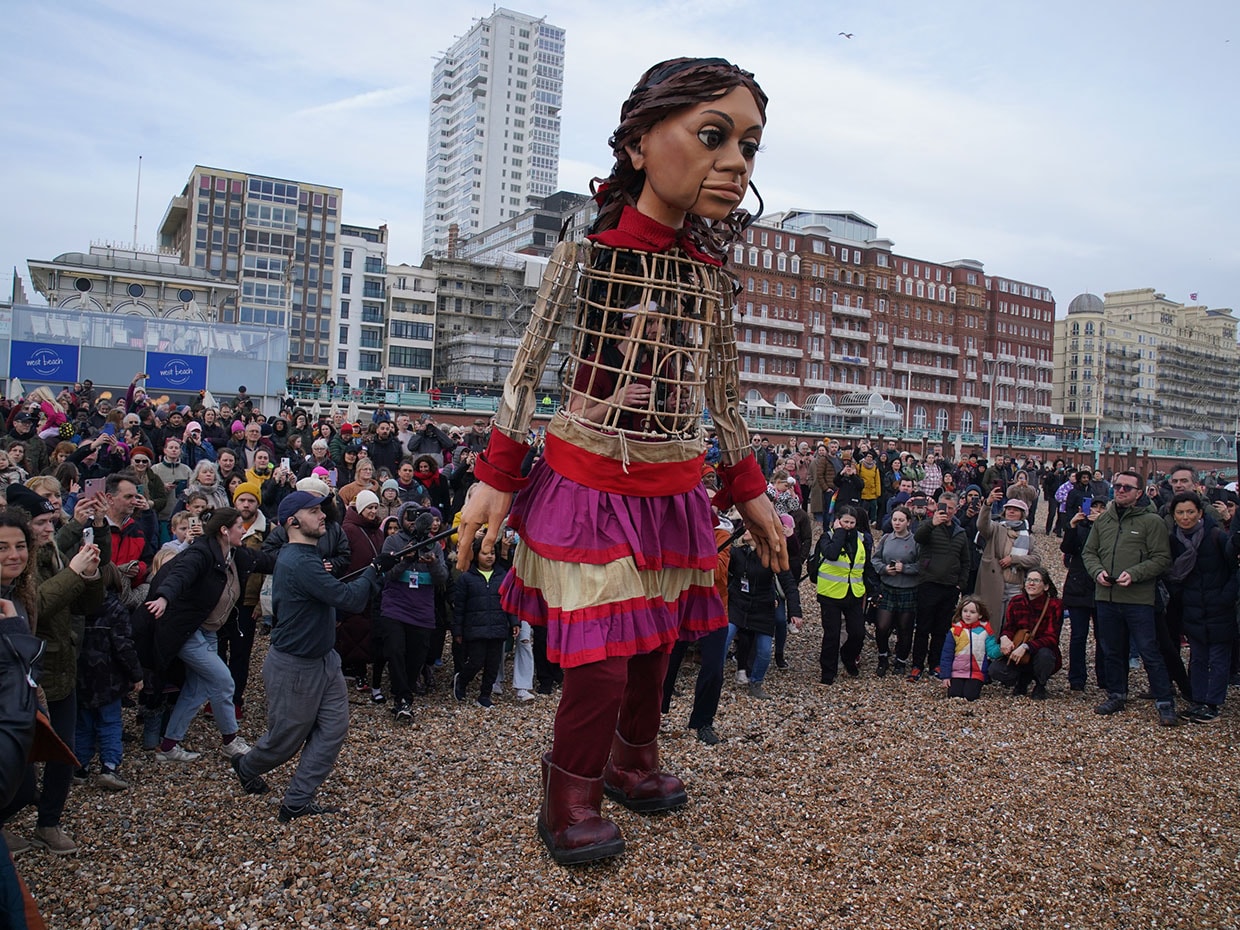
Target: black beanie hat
<point>18,495</point>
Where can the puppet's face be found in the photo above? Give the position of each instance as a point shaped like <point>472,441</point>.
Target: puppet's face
<point>700,159</point>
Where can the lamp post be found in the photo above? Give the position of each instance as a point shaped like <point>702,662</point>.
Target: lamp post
<point>989,366</point>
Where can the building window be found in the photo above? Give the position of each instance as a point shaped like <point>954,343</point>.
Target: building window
<point>346,284</point>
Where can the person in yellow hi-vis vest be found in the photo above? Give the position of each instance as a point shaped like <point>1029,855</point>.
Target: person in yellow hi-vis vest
<point>838,568</point>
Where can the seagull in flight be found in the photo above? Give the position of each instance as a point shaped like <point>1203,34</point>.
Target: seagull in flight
<point>846,35</point>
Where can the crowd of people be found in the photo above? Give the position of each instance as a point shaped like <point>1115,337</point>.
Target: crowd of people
<point>115,511</point>
<point>942,554</point>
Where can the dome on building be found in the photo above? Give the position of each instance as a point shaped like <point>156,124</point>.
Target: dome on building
<point>1085,303</point>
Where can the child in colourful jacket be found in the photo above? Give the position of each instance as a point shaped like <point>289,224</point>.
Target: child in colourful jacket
<point>967,650</point>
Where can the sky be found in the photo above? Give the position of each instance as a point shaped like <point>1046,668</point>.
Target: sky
<point>1080,146</point>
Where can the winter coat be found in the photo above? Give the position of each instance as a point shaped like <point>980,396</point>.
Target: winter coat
<point>1023,614</point>
<point>991,576</point>
<point>62,596</point>
<point>130,544</point>
<point>353,630</point>
<point>1205,601</point>
<point>108,661</point>
<point>849,489</point>
<point>1132,540</point>
<point>945,554</point>
<point>871,482</point>
<point>1078,587</point>
<point>752,594</point>
<point>477,613</point>
<point>965,651</point>
<point>409,588</point>
<point>193,584</point>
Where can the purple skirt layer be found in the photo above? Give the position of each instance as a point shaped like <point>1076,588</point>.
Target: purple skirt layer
<point>562,520</point>
<point>611,575</point>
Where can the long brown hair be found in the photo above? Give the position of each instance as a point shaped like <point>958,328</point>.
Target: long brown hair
<point>663,90</point>
<point>24,584</point>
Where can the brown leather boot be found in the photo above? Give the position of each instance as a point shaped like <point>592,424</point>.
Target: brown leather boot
<point>569,821</point>
<point>632,778</point>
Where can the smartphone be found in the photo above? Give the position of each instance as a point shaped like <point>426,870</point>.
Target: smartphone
<point>1220,495</point>
<point>284,464</point>
<point>1108,578</point>
<point>109,429</point>
<point>95,488</point>
<point>88,536</point>
<point>195,524</point>
<point>891,564</point>
<point>1086,503</point>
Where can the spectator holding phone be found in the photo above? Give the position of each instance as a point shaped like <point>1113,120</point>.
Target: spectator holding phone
<point>1125,554</point>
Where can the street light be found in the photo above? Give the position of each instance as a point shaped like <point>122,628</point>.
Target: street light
<point>989,366</point>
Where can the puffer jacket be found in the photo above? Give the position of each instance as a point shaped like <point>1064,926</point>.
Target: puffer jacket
<point>752,594</point>
<point>1132,540</point>
<point>477,613</point>
<point>1205,601</point>
<point>108,665</point>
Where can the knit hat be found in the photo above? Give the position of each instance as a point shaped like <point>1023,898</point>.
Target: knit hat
<point>20,496</point>
<point>346,429</point>
<point>390,485</point>
<point>314,486</point>
<point>364,499</point>
<point>248,487</point>
<point>237,426</point>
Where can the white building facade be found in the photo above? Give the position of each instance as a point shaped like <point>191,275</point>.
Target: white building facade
<point>493,142</point>
<point>410,328</point>
<point>360,319</point>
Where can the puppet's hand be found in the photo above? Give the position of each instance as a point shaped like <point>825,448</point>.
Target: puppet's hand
<point>486,506</point>
<point>766,530</point>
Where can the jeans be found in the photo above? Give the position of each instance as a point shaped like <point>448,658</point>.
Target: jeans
<point>781,627</point>
<point>207,678</point>
<point>1081,619</point>
<point>761,655</point>
<point>1209,670</point>
<point>523,659</point>
<point>101,725</point>
<point>1116,624</point>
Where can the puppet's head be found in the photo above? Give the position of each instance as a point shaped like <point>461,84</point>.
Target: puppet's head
<point>666,90</point>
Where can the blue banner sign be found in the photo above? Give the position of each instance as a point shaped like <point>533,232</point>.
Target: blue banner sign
<point>43,361</point>
<point>173,372</point>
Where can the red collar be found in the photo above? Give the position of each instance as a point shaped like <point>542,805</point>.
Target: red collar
<point>638,231</point>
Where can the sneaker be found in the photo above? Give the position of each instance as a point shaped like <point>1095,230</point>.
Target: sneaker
<point>742,677</point>
<point>81,776</point>
<point>914,675</point>
<point>176,754</point>
<point>16,844</point>
<point>404,711</point>
<point>239,712</point>
<point>238,747</point>
<point>54,840</point>
<point>309,809</point>
<point>484,702</point>
<point>852,669</point>
<point>898,666</point>
<point>362,686</point>
<point>376,696</point>
<point>252,784</point>
<point>1020,689</point>
<point>880,670</point>
<point>756,691</point>
<point>1167,716</point>
<point>781,663</point>
<point>522,695</point>
<point>1134,664</point>
<point>457,691</point>
<point>1112,705</point>
<point>1206,713</point>
<point>708,735</point>
<point>1039,693</point>
<point>497,688</point>
<point>109,780</point>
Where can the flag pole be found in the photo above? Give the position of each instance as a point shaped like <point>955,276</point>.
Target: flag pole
<point>136,198</point>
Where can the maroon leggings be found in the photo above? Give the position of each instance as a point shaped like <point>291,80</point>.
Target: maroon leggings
<point>617,695</point>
